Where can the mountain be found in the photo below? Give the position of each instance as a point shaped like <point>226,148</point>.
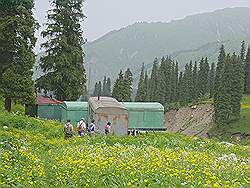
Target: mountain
<point>186,39</point>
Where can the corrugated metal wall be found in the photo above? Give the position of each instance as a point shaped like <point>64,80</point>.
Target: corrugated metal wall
<point>145,115</point>
<point>74,111</point>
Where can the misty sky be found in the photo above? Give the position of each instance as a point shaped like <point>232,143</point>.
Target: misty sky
<point>106,15</point>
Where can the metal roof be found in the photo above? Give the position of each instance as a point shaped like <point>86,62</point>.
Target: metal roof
<point>74,106</point>
<point>143,106</point>
<point>104,102</point>
<point>40,100</point>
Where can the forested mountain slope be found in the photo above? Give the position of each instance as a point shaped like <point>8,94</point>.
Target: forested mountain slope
<point>186,39</point>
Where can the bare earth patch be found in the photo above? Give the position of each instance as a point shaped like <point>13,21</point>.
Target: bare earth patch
<point>192,121</point>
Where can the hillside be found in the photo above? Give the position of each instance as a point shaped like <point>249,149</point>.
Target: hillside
<point>197,120</point>
<point>33,153</point>
<point>186,39</point>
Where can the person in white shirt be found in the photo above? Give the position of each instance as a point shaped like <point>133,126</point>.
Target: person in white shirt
<point>81,127</point>
<point>92,128</point>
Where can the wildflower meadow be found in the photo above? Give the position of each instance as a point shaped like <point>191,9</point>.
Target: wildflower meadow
<point>33,153</point>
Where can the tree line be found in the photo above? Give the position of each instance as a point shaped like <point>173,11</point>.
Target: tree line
<point>167,84</point>
<point>122,88</point>
<point>231,81</point>
<point>103,88</point>
<point>224,83</point>
<point>63,60</point>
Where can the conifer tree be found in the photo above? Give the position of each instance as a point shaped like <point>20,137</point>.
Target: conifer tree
<point>108,87</point>
<point>153,92</point>
<point>243,51</point>
<point>17,40</point>
<point>99,89</point>
<point>140,95</point>
<point>118,89</point>
<point>219,72</point>
<point>128,83</point>
<point>173,80</point>
<point>176,75</point>
<point>211,80</point>
<point>190,82</point>
<point>237,85</point>
<point>203,76</point>
<point>146,86</point>
<point>63,61</point>
<point>222,104</point>
<point>95,92</point>
<point>104,86</point>
<point>186,84</point>
<point>200,78</point>
<point>247,72</point>
<point>181,89</point>
<point>164,85</point>
<point>195,82</point>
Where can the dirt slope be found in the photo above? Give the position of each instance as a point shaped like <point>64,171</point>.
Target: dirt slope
<point>195,120</point>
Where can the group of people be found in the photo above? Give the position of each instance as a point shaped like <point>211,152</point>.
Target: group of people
<point>83,129</point>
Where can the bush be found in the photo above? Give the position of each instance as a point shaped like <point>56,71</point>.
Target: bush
<point>172,106</point>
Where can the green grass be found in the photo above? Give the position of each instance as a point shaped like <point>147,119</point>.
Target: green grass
<point>33,153</point>
<point>245,102</point>
<point>244,123</point>
<point>16,107</point>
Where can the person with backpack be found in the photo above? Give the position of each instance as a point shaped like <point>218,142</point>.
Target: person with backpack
<point>107,128</point>
<point>68,130</point>
<point>92,127</point>
<point>81,126</point>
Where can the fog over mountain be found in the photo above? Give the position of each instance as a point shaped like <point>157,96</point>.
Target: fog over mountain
<point>111,48</point>
<point>187,39</point>
<point>105,16</point>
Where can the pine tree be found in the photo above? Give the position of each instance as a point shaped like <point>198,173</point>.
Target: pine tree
<point>206,76</point>
<point>146,86</point>
<point>153,92</point>
<point>211,80</point>
<point>164,85</point>
<point>176,75</point>
<point>17,40</point>
<point>190,82</point>
<point>203,76</point>
<point>243,50</point>
<point>104,86</point>
<point>119,87</point>
<point>181,85</point>
<point>195,82</point>
<point>222,104</point>
<point>174,81</point>
<point>128,83</point>
<point>219,72</point>
<point>63,61</point>
<point>186,82</point>
<point>237,85</point>
<point>99,88</point>
<point>200,78</point>
<point>108,87</point>
<point>95,92</point>
<point>140,95</point>
<point>247,73</point>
